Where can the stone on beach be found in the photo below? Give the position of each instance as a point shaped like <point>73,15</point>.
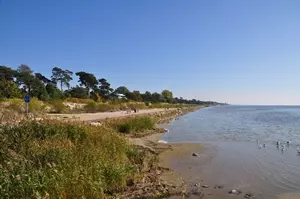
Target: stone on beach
<point>234,192</point>
<point>162,141</point>
<point>249,195</point>
<point>96,124</point>
<point>195,154</point>
<point>219,186</point>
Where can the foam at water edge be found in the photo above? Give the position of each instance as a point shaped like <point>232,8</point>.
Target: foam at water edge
<point>162,141</point>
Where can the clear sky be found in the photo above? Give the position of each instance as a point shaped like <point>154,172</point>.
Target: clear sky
<point>235,51</point>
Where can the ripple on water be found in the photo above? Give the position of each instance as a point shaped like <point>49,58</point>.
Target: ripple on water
<point>239,159</point>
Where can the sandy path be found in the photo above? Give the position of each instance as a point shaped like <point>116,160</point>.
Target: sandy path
<point>104,115</point>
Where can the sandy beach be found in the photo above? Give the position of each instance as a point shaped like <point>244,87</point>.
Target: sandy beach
<point>104,115</point>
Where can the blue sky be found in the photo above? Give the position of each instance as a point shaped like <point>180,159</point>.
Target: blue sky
<point>235,51</point>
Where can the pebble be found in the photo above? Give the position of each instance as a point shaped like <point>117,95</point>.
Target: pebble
<point>205,186</point>
<point>219,186</point>
<point>96,124</point>
<point>195,154</point>
<point>235,192</point>
<point>249,195</point>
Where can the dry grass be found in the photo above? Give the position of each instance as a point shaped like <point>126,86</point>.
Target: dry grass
<point>52,159</point>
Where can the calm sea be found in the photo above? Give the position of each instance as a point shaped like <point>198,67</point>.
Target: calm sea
<point>237,135</point>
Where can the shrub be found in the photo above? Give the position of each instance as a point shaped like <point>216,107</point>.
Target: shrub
<point>106,107</point>
<point>91,106</point>
<point>77,100</point>
<point>36,106</point>
<point>136,105</point>
<point>15,104</point>
<point>58,106</point>
<point>52,159</point>
<point>166,105</point>
<point>131,125</point>
<point>125,128</point>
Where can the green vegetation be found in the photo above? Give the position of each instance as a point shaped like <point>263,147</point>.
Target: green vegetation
<point>51,159</point>
<point>23,81</point>
<point>132,124</point>
<point>57,106</point>
<point>55,159</point>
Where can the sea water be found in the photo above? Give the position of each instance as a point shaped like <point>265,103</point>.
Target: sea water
<point>244,153</point>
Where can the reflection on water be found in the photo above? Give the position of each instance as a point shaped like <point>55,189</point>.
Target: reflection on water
<point>247,155</point>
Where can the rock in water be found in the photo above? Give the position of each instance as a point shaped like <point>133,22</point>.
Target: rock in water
<point>195,154</point>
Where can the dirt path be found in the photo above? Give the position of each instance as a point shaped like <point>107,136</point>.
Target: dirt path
<point>104,115</point>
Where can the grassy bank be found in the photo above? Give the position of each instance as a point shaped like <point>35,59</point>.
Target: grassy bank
<point>139,126</point>
<point>53,159</point>
<point>74,105</point>
<point>63,160</point>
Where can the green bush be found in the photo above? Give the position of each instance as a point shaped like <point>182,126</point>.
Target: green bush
<point>107,107</point>
<point>131,125</point>
<point>36,106</point>
<point>166,105</point>
<point>52,159</point>
<point>15,104</point>
<point>125,128</point>
<point>136,105</point>
<point>58,106</point>
<point>91,106</point>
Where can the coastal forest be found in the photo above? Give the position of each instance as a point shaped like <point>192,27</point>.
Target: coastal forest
<point>16,83</point>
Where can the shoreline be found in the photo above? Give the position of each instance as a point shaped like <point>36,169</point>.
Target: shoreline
<point>136,150</point>
<point>159,179</point>
<point>180,169</point>
<point>176,185</point>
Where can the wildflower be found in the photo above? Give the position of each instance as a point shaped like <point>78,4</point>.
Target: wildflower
<point>47,195</point>
<point>18,177</point>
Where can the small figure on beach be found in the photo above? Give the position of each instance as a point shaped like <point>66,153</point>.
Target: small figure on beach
<point>278,143</point>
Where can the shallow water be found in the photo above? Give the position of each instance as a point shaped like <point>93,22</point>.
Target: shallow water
<point>238,160</point>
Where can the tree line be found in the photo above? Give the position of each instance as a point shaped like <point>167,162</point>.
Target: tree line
<point>23,81</point>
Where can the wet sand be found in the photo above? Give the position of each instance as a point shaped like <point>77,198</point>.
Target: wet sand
<point>186,169</point>
<point>200,183</point>
<point>290,196</point>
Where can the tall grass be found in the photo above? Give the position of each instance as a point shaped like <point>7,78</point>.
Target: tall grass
<point>15,104</point>
<point>132,124</point>
<point>51,159</point>
<point>57,106</point>
<point>77,100</point>
<point>36,106</point>
<point>166,105</point>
